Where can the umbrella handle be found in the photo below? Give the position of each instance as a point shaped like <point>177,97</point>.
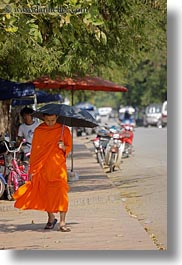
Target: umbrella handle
<point>72,146</point>
<point>62,131</point>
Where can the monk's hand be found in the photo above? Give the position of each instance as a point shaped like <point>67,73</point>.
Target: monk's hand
<point>61,145</point>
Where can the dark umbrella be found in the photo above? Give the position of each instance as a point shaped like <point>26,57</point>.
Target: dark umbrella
<point>67,115</point>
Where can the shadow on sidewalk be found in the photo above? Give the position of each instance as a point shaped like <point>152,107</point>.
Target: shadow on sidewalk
<point>10,228</point>
<point>90,183</point>
<point>89,188</point>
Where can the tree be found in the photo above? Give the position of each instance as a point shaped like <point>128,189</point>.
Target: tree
<point>81,39</point>
<point>147,80</point>
<point>113,39</point>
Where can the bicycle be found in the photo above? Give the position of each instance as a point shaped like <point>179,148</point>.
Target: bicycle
<point>17,175</point>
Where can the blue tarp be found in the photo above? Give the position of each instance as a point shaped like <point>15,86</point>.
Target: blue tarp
<point>10,90</point>
<point>42,97</point>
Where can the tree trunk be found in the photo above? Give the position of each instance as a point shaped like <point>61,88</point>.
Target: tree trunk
<point>9,119</point>
<point>5,118</point>
<point>15,122</point>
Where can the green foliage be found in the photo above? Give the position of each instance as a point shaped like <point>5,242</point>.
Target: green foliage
<point>124,41</point>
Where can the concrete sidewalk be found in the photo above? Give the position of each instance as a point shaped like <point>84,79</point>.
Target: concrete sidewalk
<point>96,215</point>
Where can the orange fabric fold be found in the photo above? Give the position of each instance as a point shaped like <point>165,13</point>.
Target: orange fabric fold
<point>48,189</point>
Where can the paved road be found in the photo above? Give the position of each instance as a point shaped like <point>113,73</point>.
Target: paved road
<point>142,181</point>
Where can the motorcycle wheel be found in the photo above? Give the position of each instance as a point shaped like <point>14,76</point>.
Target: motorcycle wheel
<point>2,188</point>
<point>97,157</point>
<point>126,151</point>
<point>112,162</point>
<point>100,159</point>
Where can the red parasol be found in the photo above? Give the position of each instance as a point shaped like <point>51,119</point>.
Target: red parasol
<point>84,83</point>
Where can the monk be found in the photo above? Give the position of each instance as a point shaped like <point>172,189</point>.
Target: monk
<point>47,189</point>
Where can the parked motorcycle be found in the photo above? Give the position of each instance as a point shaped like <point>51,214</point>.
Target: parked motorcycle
<point>112,144</point>
<point>114,149</point>
<point>100,144</point>
<point>127,138</point>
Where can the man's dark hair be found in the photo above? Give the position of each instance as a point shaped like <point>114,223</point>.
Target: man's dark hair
<point>26,110</point>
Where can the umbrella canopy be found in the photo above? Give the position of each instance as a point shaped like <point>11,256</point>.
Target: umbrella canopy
<point>67,115</point>
<point>84,83</point>
<point>42,97</point>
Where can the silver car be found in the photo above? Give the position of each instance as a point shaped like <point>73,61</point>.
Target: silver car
<point>152,115</point>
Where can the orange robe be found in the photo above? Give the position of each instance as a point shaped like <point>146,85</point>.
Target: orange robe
<point>48,190</point>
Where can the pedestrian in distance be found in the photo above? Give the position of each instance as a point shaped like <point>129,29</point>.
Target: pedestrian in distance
<point>48,188</point>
